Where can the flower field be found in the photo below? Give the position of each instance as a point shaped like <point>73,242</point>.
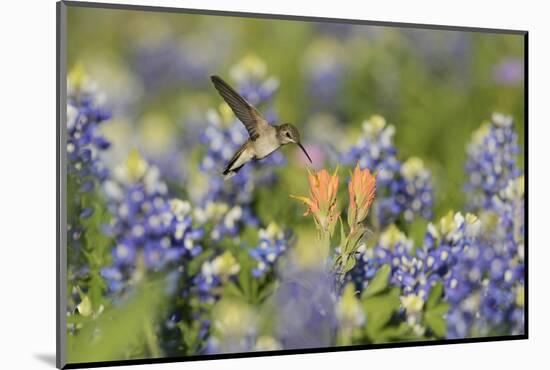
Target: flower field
<point>405,231</point>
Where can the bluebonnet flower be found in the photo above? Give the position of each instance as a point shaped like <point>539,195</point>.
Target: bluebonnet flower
<point>252,82</point>
<point>158,64</point>
<point>324,70</point>
<point>214,273</point>
<point>223,220</point>
<point>484,289</point>
<point>482,280</point>
<point>479,261</point>
<point>408,271</point>
<point>375,150</point>
<point>509,71</point>
<point>443,52</point>
<point>150,229</point>
<point>509,206</point>
<point>445,246</point>
<point>403,189</point>
<point>492,161</point>
<point>85,142</point>
<point>305,308</point>
<point>272,245</point>
<point>86,170</point>
<point>415,195</point>
<point>169,62</point>
<point>415,271</point>
<point>488,282</point>
<point>502,303</point>
<point>443,257</point>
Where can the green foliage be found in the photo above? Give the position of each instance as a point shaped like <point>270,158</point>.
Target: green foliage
<point>247,287</point>
<point>250,289</point>
<point>379,283</point>
<point>417,231</point>
<point>97,248</point>
<point>118,328</point>
<point>349,244</point>
<point>435,310</point>
<point>190,336</point>
<point>380,302</point>
<point>94,250</point>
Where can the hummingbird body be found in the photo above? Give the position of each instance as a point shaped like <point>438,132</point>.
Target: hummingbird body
<point>266,143</point>
<point>264,138</point>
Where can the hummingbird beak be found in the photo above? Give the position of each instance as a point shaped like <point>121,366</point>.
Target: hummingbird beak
<point>305,152</point>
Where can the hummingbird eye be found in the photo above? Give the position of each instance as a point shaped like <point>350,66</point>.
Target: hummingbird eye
<point>288,135</point>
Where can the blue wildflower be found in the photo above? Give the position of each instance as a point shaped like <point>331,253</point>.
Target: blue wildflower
<point>272,245</point>
<point>85,167</point>
<point>214,273</point>
<point>169,62</point>
<point>509,71</point>
<point>488,281</point>
<point>306,308</point>
<point>324,70</point>
<point>492,161</point>
<point>85,141</point>
<point>403,189</point>
<point>150,229</point>
<point>252,82</point>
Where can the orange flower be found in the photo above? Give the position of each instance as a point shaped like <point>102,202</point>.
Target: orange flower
<point>323,188</point>
<point>362,189</point>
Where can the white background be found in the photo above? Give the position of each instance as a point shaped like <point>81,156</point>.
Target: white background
<point>27,182</point>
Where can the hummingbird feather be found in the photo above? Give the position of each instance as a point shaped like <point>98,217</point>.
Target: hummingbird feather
<point>245,112</point>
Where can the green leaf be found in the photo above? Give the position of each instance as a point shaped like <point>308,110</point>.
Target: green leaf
<point>337,261</point>
<point>399,332</point>
<point>379,282</point>
<point>117,329</point>
<point>232,290</point>
<point>436,293</point>
<point>350,263</point>
<point>417,230</point>
<point>342,234</point>
<point>244,282</point>
<point>254,290</point>
<point>267,290</point>
<point>434,316</point>
<point>354,240</point>
<point>379,309</point>
<point>440,309</point>
<point>437,323</point>
<point>190,336</point>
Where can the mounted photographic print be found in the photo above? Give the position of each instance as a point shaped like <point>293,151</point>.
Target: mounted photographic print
<point>235,184</point>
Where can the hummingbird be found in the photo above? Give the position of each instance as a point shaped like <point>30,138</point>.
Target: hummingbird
<point>264,138</point>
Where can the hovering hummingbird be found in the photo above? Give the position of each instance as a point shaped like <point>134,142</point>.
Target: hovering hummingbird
<point>264,138</point>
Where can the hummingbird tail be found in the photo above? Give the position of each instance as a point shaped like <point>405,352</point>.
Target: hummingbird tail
<point>229,173</point>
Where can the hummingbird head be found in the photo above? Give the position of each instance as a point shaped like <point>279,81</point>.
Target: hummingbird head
<point>288,133</point>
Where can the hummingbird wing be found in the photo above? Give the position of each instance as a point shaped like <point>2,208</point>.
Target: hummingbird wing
<point>245,112</point>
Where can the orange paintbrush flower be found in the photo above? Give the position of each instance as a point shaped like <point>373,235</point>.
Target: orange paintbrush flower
<point>323,188</point>
<point>362,189</point>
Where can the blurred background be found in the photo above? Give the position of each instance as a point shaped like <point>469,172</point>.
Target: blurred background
<point>436,87</point>
<point>149,137</point>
